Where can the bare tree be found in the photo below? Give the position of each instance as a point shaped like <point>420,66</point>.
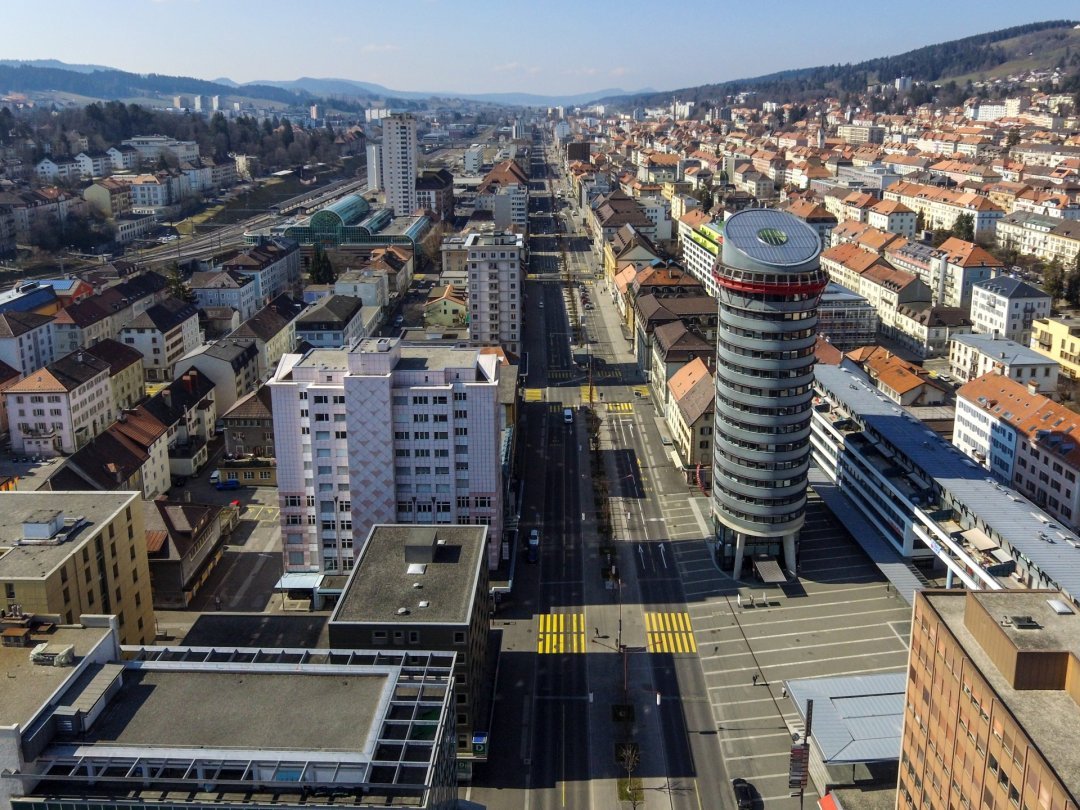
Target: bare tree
<point>629,758</point>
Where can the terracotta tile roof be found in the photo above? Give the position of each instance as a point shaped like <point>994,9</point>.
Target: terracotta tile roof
<point>695,218</point>
<point>968,254</point>
<point>827,354</point>
<point>694,391</point>
<point>1027,413</point>
<point>155,540</point>
<point>852,257</point>
<point>139,426</point>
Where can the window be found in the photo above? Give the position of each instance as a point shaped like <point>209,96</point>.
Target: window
<point>459,636</point>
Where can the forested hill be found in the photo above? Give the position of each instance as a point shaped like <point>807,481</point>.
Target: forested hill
<point>119,84</point>
<point>1028,45</point>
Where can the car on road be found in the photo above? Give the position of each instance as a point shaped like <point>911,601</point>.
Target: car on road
<point>215,477</point>
<point>744,795</point>
<point>534,545</point>
<point>568,416</point>
<point>541,305</point>
<point>230,483</point>
<point>179,481</point>
<point>399,320</point>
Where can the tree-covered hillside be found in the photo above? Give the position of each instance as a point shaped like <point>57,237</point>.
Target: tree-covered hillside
<point>932,63</point>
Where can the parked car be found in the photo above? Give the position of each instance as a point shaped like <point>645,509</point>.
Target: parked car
<point>230,483</point>
<point>534,545</point>
<point>179,481</point>
<point>744,796</point>
<point>215,477</point>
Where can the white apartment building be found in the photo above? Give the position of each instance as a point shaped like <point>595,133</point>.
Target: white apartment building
<point>906,486</point>
<point>1027,440</point>
<point>384,432</point>
<point>94,164</point>
<point>972,356</point>
<point>59,408</point>
<point>152,192</point>
<point>1007,306</point>
<point>151,147</point>
<point>163,334</point>
<point>273,263</point>
<point>62,169</point>
<point>495,278</point>
<point>892,217</point>
<point>941,206</point>
<point>26,340</point>
<point>124,158</point>
<point>701,245</point>
<point>950,270</point>
<point>658,210</point>
<point>399,163</point>
<point>474,159</point>
<point>227,288</point>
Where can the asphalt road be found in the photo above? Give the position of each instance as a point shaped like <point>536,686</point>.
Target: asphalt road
<point>558,702</point>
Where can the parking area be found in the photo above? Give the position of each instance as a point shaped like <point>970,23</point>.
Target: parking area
<point>31,474</point>
<point>841,618</point>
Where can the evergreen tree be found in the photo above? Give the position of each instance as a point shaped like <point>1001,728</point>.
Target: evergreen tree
<point>1054,281</point>
<point>322,271</point>
<point>178,286</point>
<point>964,227</point>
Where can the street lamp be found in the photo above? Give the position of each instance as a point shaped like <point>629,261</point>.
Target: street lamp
<point>619,646</point>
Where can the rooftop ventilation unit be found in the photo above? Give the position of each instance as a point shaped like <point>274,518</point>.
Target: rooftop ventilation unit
<point>1025,623</point>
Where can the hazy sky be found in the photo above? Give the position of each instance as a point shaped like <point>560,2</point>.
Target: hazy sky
<point>476,46</point>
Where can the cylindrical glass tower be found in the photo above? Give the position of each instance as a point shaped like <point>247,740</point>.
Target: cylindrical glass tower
<point>770,282</point>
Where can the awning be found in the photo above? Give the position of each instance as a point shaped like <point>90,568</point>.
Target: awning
<point>978,539</point>
<point>299,582</point>
<point>827,802</point>
<point>769,571</point>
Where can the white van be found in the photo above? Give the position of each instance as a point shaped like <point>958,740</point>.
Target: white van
<point>215,476</point>
<point>568,416</point>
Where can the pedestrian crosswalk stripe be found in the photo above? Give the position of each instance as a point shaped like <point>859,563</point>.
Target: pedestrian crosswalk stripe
<point>585,393</point>
<point>669,633</point>
<point>641,390</point>
<point>534,394</point>
<point>560,633</point>
<point>620,407</point>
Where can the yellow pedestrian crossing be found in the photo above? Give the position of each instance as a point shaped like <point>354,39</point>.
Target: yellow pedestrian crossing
<point>560,375</point>
<point>585,395</point>
<point>620,407</point>
<point>669,633</point>
<point>560,633</point>
<point>641,390</point>
<point>534,394</point>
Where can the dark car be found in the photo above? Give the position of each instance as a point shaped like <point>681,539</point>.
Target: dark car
<point>744,796</point>
<point>179,481</point>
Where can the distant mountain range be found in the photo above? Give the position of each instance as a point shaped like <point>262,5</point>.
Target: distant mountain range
<point>349,87</point>
<point>1022,48</point>
<point>1037,46</point>
<point>106,83</point>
